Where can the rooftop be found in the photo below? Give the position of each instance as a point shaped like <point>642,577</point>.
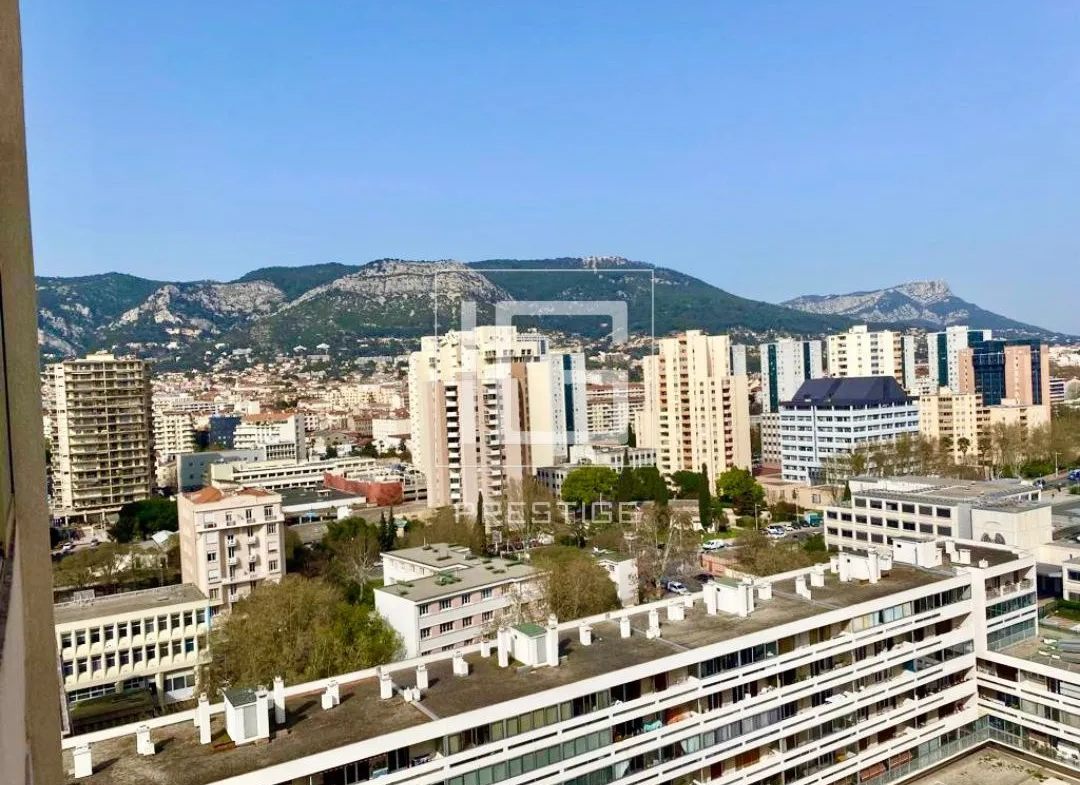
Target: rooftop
<point>455,579</point>
<point>362,715</point>
<point>993,766</point>
<point>211,494</point>
<point>126,602</point>
<point>292,497</point>
<point>849,391</point>
<point>983,494</point>
<point>1044,649</point>
<point>438,555</point>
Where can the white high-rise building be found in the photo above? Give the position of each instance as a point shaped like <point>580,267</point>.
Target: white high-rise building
<point>231,540</point>
<point>174,434</point>
<point>281,434</point>
<point>943,353</point>
<point>102,443</point>
<point>785,365</point>
<point>859,352</point>
<point>738,359</point>
<point>696,413</point>
<point>489,405</point>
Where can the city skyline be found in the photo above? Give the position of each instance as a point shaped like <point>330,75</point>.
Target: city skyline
<point>837,148</point>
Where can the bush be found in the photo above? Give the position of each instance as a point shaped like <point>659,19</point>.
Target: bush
<point>746,522</point>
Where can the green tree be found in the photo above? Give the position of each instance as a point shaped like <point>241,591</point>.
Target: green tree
<point>139,520</point>
<point>704,500</point>
<point>651,485</point>
<point>631,437</point>
<point>739,487</point>
<point>626,489</point>
<point>688,483</point>
<point>575,585</point>
<point>354,546</point>
<point>299,629</point>
<point>331,452</point>
<point>480,534</point>
<point>586,485</point>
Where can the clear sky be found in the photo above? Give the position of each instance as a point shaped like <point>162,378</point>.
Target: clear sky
<point>770,148</point>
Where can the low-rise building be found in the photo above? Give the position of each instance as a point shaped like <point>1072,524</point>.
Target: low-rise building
<point>623,572</point>
<point>441,597</point>
<point>152,639</point>
<point>230,542</point>
<point>612,455</point>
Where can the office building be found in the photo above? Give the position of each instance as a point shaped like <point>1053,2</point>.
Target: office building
<point>1014,369</point>
<point>487,406</point>
<point>276,475</point>
<point>193,468</point>
<point>871,669</point>
<point>152,639</point>
<point>280,434</point>
<point>442,597</point>
<point>828,418</point>
<point>860,352</point>
<point>943,353</point>
<point>102,443</point>
<point>1057,390</point>
<point>29,691</point>
<point>230,542</point>
<point>952,419</point>
<point>696,413</point>
<point>785,365</point>
<point>223,430</point>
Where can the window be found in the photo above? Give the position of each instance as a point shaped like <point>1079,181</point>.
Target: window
<point>943,512</point>
<point>268,511</point>
<point>65,640</point>
<point>189,645</point>
<point>95,663</point>
<point>125,658</point>
<point>485,594</point>
<point>175,621</point>
<point>446,626</point>
<point>924,510</point>
<point>487,616</point>
<point>425,632</point>
<point>136,656</point>
<point>189,618</point>
<point>926,528</point>
<point>249,514</point>
<point>177,648</point>
<point>151,653</point>
<point>425,609</point>
<point>211,556</point>
<point>95,635</point>
<point>69,669</point>
<point>272,565</point>
<point>163,623</point>
<point>80,637</point>
<point>466,599</point>
<point>215,594</point>
<point>271,528</point>
<point>445,605</point>
<point>149,625</point>
<point>110,633</point>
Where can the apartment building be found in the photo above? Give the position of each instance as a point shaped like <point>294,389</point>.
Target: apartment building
<point>552,477</point>
<point>174,434</point>
<point>953,419</point>
<point>828,418</point>
<point>230,541</point>
<point>275,475</point>
<point>737,354</point>
<point>696,413</point>
<point>1012,412</point>
<point>943,353</point>
<point>280,434</point>
<point>390,433</point>
<point>102,447</point>
<point>488,405</point>
<point>611,408</point>
<point>1016,369</point>
<point>785,365</point>
<point>152,639</point>
<point>1056,389</point>
<point>870,670</point>
<point>441,597</point>
<point>771,454</point>
<point>860,352</point>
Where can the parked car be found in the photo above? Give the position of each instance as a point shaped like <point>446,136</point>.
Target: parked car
<point>775,531</point>
<point>713,545</point>
<point>675,587</point>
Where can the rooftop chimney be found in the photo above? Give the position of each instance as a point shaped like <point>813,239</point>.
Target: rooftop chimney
<point>800,587</point>
<point>624,626</point>
<point>817,576</point>
<point>84,766</point>
<point>963,555</point>
<point>202,718</point>
<point>676,611</point>
<point>143,743</point>
<point>764,591</point>
<point>279,700</point>
<point>386,685</point>
<point>461,667</point>
<point>585,635</point>
<point>654,624</point>
<point>485,647</point>
<point>553,642</point>
<point>504,646</point>
<point>421,677</point>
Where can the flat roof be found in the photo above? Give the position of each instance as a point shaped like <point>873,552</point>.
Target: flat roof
<point>362,715</point>
<point>1043,649</point>
<point>993,766</point>
<point>482,572</point>
<point>438,555</point>
<point>980,494</point>
<point>291,497</point>
<point>127,602</point>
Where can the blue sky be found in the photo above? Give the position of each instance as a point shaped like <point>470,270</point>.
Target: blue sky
<point>770,148</point>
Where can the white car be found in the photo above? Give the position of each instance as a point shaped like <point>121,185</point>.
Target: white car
<point>713,545</point>
<point>677,588</point>
<point>776,532</point>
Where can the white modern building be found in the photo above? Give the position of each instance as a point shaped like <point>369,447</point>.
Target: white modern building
<point>862,352</point>
<point>230,542</point>
<point>275,475</point>
<point>871,669</point>
<point>154,638</point>
<point>280,434</point>
<point>696,412</point>
<point>488,405</point>
<point>390,433</point>
<point>943,353</point>
<point>174,434</point>
<point>828,418</point>
<point>785,365</point>
<point>441,597</point>
<point>613,455</point>
<point>623,572</point>
<point>611,408</point>
<point>102,447</point>
<point>738,359</point>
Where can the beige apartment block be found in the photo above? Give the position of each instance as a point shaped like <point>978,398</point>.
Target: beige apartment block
<point>860,352</point>
<point>954,419</point>
<point>102,445</point>
<point>696,413</point>
<point>230,542</point>
<point>1013,412</point>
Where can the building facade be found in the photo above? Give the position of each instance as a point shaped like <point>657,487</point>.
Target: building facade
<point>952,419</point>
<point>943,353</point>
<point>785,365</point>
<point>828,418</point>
<point>102,440</point>
<point>860,352</point>
<point>696,413</point>
<point>281,434</point>
<point>154,639</point>
<point>611,408</point>
<point>230,542</point>
<point>1016,369</point>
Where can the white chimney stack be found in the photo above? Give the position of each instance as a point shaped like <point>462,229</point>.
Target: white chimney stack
<point>461,667</point>
<point>817,576</point>
<point>688,600</point>
<point>624,626</point>
<point>386,685</point>
<point>84,766</point>
<point>764,591</point>
<point>654,623</point>
<point>800,587</point>
<point>553,642</point>
<point>585,635</point>
<point>202,718</point>
<point>504,647</point>
<point>279,700</point>
<point>143,744</point>
<point>845,568</point>
<point>676,611</point>
<point>983,564</point>
<point>421,677</point>
<point>964,555</point>
<point>875,567</point>
<point>262,712</point>
<point>711,590</point>
<point>485,648</point>
<point>834,564</point>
